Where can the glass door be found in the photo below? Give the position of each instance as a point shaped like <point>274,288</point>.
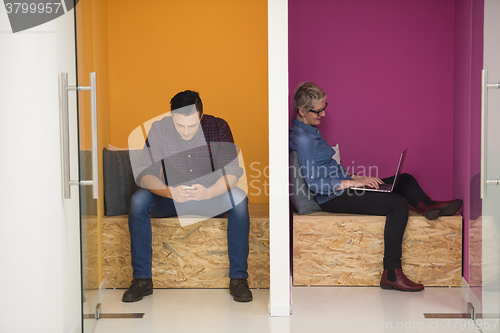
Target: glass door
<point>90,106</point>
<point>78,100</point>
<point>485,200</point>
<point>81,155</point>
<point>89,225</point>
<point>490,293</point>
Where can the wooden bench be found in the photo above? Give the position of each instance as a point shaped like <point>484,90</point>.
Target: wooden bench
<point>342,249</point>
<point>328,249</point>
<point>194,256</point>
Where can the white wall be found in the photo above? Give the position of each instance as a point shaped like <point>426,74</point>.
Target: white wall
<point>39,239</point>
<point>280,286</point>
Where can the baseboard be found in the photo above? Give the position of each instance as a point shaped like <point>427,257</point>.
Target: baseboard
<point>465,290</point>
<point>77,328</point>
<point>279,310</point>
<point>469,296</point>
<point>103,284</point>
<point>102,290</point>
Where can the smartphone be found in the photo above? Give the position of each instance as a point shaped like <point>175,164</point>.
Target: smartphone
<point>188,188</point>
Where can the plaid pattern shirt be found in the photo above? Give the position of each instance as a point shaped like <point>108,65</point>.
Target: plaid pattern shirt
<point>201,160</point>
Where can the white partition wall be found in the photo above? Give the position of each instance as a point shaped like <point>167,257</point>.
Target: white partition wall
<point>39,230</point>
<point>280,287</point>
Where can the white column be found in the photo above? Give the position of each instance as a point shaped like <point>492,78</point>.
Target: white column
<point>39,241</point>
<point>280,288</point>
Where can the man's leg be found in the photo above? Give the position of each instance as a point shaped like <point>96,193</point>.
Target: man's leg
<point>238,229</point>
<point>142,206</point>
<point>235,205</point>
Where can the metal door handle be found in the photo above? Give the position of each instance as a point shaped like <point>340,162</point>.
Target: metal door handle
<point>64,110</point>
<point>484,126</point>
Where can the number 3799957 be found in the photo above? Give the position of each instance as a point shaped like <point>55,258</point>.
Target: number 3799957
<point>24,7</point>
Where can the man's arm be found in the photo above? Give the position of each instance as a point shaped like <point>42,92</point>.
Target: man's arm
<point>221,186</point>
<point>225,150</point>
<point>156,186</point>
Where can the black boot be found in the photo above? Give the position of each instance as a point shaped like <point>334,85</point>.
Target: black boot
<point>240,291</point>
<point>138,289</point>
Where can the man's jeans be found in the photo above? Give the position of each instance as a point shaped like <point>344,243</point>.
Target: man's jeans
<point>145,204</point>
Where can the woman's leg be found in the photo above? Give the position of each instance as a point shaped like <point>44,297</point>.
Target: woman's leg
<point>408,187</point>
<point>391,205</point>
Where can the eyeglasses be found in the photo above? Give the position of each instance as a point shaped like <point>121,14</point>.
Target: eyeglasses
<point>319,111</point>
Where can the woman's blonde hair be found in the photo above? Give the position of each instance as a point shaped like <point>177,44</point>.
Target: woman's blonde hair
<point>306,95</point>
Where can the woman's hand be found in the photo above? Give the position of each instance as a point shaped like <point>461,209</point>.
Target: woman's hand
<point>366,181</point>
<point>360,182</point>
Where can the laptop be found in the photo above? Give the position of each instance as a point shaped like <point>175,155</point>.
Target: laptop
<point>387,187</point>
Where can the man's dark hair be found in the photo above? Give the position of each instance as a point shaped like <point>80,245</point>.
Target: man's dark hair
<point>185,98</point>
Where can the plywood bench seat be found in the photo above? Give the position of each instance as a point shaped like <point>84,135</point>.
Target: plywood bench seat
<point>193,256</point>
<point>347,250</point>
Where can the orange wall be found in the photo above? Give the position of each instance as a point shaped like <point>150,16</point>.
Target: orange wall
<point>216,47</point>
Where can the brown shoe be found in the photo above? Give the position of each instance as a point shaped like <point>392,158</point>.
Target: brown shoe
<point>401,282</point>
<point>240,291</point>
<point>433,209</point>
<point>138,289</point>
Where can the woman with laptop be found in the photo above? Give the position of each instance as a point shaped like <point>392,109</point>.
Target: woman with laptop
<point>337,191</point>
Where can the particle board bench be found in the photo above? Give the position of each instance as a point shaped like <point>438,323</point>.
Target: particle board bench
<point>194,256</point>
<point>347,249</point>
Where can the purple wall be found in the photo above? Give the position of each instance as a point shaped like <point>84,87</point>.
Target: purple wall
<point>469,21</point>
<point>412,65</point>
<point>382,63</point>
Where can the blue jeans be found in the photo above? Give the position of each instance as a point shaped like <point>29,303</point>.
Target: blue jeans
<point>145,204</point>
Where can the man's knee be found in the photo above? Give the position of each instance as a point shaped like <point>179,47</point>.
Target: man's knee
<point>238,214</point>
<point>239,196</point>
<point>140,200</point>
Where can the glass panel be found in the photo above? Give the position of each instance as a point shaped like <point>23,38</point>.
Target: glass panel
<point>89,220</point>
<point>484,232</point>
<point>475,238</point>
<point>490,296</point>
<point>89,240</point>
<point>490,268</point>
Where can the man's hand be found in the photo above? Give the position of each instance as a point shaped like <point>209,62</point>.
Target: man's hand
<point>200,192</point>
<point>181,195</point>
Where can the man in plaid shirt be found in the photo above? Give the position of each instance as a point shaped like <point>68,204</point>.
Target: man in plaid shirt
<point>189,166</point>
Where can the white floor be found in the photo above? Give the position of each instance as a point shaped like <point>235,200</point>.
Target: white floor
<point>315,309</point>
